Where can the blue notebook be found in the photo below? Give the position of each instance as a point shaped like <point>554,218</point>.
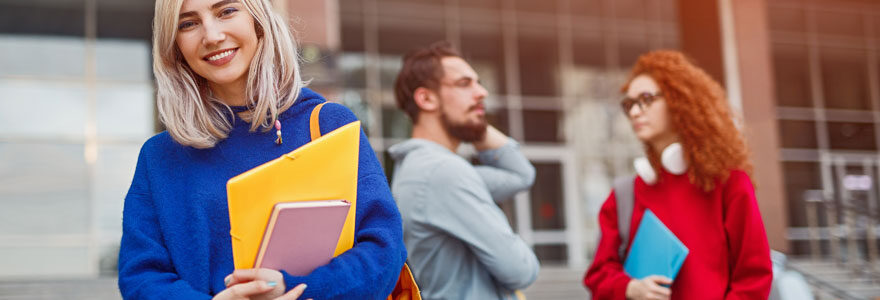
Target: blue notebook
<point>655,250</point>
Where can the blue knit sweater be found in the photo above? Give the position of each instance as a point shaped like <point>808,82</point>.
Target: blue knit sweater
<point>175,224</point>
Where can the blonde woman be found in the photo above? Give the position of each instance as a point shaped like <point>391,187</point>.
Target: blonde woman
<point>227,75</point>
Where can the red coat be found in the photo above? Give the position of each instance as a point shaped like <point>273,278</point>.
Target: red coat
<point>729,256</point>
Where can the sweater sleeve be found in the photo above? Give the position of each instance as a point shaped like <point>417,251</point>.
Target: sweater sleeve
<point>371,268</point>
<point>506,171</point>
<point>461,206</point>
<point>749,253</point>
<point>605,278</point>
<point>145,267</point>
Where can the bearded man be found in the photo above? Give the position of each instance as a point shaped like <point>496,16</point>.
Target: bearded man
<point>459,242</point>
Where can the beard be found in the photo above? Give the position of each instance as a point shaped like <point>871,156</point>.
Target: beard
<point>466,131</point>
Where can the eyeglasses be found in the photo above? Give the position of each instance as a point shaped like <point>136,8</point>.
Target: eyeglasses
<point>643,100</point>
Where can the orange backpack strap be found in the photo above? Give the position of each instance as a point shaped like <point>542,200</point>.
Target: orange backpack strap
<point>314,121</point>
<point>406,288</point>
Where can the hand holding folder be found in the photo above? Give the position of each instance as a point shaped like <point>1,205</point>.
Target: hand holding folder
<point>325,168</point>
<point>655,250</point>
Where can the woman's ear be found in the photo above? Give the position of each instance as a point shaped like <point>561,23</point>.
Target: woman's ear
<point>426,99</point>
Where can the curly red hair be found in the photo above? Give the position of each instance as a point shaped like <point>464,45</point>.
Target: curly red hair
<point>699,114</point>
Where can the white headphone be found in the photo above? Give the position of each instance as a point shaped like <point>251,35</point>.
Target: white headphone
<point>672,160</point>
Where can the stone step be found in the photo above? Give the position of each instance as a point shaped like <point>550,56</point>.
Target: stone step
<point>558,283</point>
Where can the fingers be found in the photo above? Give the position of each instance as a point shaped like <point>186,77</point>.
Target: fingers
<point>294,293</point>
<point>246,290</point>
<point>245,275</point>
<point>657,289</point>
<point>239,276</point>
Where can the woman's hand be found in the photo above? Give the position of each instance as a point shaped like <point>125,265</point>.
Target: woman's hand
<point>648,288</point>
<point>244,291</point>
<point>269,276</point>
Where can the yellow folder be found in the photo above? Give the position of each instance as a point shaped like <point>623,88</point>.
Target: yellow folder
<point>324,169</point>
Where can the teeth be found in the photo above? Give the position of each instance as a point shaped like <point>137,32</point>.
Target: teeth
<point>221,55</point>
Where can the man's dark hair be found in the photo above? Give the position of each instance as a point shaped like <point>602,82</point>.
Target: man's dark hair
<point>422,67</point>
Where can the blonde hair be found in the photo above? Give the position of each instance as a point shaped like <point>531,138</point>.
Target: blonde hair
<point>191,115</point>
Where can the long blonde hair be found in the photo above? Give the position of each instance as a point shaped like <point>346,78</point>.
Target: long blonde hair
<point>191,115</point>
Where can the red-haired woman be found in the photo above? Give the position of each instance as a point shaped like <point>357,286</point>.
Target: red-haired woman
<point>695,179</point>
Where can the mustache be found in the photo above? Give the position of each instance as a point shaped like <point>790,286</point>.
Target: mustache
<point>477,106</point>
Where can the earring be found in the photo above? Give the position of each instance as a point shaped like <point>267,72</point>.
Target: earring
<point>278,130</point>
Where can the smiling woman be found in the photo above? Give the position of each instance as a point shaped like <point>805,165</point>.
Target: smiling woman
<point>234,53</point>
<point>226,74</point>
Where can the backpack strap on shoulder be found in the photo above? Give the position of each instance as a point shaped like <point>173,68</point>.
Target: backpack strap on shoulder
<point>314,121</point>
<point>624,196</point>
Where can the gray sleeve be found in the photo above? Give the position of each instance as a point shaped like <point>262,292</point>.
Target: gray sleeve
<point>463,208</point>
<point>506,171</point>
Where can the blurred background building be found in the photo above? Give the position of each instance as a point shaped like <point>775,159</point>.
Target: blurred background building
<point>803,76</point>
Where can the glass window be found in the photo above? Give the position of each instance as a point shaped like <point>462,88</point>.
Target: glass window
<point>583,78</point>
<point>786,18</point>
<point>395,123</point>
<point>352,29</point>
<point>484,50</point>
<point>480,4</point>
<point>629,52</point>
<point>792,76</point>
<point>125,111</point>
<point>61,108</point>
<point>800,177</point>
<point>351,7</point>
<point>357,102</point>
<point>586,8</point>
<point>851,136</point>
<point>509,208</point>
<point>844,79</point>
<point>123,60</point>
<point>498,117</point>
<point>839,23</point>
<point>42,57</point>
<point>538,62</point>
<point>589,52</point>
<point>543,126</point>
<point>798,134</point>
<point>353,67</point>
<point>64,18</point>
<point>551,254</point>
<point>114,170</point>
<point>669,11</point>
<point>547,205</point>
<point>398,37</point>
<point>387,164</point>
<point>532,6</point>
<point>389,67</point>
<point>39,197</point>
<point>631,9</point>
<point>125,19</point>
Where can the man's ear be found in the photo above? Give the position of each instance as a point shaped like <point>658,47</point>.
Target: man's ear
<point>426,99</point>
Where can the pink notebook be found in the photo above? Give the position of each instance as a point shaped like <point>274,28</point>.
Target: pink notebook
<point>301,236</point>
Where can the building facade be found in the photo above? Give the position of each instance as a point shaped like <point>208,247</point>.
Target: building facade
<point>802,76</point>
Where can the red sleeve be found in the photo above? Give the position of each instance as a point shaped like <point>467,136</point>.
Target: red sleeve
<point>751,271</point>
<point>605,278</point>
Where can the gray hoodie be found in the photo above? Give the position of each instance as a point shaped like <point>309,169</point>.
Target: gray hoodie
<point>459,242</point>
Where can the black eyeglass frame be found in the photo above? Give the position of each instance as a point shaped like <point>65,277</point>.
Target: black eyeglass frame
<point>643,100</point>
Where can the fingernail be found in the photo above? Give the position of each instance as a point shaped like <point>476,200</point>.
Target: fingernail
<point>227,280</point>
<point>271,283</point>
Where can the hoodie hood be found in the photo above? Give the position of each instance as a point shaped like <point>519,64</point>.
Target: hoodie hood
<point>399,151</point>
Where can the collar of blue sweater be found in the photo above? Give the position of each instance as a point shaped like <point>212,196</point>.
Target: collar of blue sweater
<point>304,94</point>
